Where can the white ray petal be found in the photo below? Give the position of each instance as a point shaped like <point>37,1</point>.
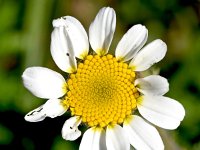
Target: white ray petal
<point>70,129</point>
<point>93,139</point>
<point>52,108</point>
<point>142,135</point>
<point>102,29</point>
<point>149,55</point>
<point>116,138</point>
<point>43,82</point>
<point>78,36</point>
<point>36,115</point>
<point>152,85</point>
<point>161,111</point>
<point>62,49</point>
<point>131,42</point>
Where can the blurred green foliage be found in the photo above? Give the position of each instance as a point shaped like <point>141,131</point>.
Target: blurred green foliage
<point>25,29</point>
<point>6,135</point>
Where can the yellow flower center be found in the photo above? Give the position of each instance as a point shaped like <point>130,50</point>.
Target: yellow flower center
<point>102,91</point>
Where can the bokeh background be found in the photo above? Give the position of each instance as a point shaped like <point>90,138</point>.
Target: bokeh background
<point>25,30</point>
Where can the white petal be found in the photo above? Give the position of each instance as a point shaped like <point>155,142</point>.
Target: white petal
<point>43,82</point>
<point>131,42</point>
<point>62,49</point>
<point>116,138</point>
<point>36,115</point>
<point>142,135</point>
<point>161,111</point>
<point>93,139</point>
<point>152,85</point>
<point>149,55</point>
<point>78,36</point>
<point>70,129</point>
<point>102,29</point>
<point>52,108</point>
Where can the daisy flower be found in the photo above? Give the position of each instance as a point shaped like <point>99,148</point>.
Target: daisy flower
<point>103,91</point>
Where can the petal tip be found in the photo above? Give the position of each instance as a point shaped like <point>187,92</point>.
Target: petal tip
<point>58,22</point>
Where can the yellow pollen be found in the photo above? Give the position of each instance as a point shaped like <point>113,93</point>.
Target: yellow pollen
<point>102,91</point>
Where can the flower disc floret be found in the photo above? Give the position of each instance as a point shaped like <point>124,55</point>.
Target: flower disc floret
<point>102,91</point>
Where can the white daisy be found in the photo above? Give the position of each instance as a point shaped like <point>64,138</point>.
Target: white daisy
<point>102,90</point>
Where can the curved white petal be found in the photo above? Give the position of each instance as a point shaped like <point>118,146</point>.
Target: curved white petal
<point>161,111</point>
<point>78,36</point>
<point>116,138</point>
<point>52,108</point>
<point>142,135</point>
<point>62,49</point>
<point>149,55</point>
<point>102,29</point>
<point>36,115</point>
<point>152,85</point>
<point>43,82</point>
<point>93,139</point>
<point>131,42</point>
<point>70,129</point>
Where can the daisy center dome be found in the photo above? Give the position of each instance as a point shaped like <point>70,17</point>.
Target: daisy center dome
<point>102,91</point>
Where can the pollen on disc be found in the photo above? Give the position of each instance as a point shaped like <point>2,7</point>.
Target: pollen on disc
<point>102,91</point>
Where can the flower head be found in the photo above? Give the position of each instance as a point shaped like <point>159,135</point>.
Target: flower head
<point>103,91</point>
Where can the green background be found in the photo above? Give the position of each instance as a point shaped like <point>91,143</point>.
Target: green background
<point>25,30</point>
